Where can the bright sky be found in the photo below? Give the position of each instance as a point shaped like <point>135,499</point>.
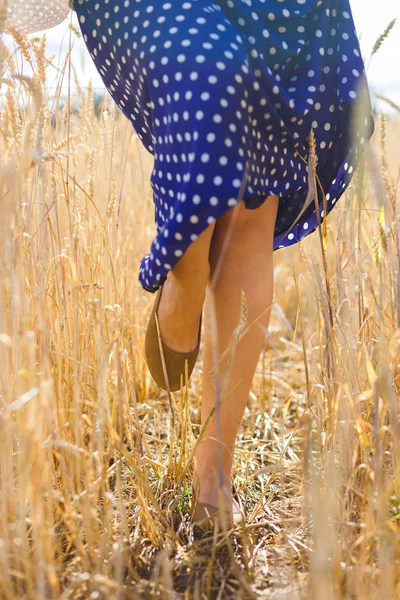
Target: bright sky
<point>371,19</point>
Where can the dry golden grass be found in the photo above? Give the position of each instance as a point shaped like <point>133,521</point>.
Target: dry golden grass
<point>90,456</point>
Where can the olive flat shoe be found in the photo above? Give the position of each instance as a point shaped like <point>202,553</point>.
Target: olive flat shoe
<point>204,515</point>
<point>174,362</point>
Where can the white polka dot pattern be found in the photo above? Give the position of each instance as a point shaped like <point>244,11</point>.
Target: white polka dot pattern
<point>31,16</point>
<point>224,94</point>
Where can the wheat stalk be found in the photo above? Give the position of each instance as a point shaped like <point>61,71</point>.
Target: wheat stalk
<point>383,37</point>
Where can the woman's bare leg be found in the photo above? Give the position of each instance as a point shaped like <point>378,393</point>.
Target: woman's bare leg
<point>247,265</point>
<point>183,295</point>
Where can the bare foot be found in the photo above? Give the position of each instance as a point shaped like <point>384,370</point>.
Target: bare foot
<point>179,313</point>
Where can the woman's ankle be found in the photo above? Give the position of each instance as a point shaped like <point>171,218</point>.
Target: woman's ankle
<point>179,319</point>
<point>206,489</point>
<point>211,479</point>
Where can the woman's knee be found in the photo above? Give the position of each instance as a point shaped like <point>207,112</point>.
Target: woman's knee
<point>196,257</point>
<point>243,225</point>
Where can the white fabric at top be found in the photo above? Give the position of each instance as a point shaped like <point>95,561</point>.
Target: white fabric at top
<point>30,16</point>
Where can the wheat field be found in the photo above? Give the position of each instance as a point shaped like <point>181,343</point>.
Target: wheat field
<point>95,461</point>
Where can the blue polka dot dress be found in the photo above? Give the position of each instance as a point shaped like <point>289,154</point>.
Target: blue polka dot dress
<point>225,94</point>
